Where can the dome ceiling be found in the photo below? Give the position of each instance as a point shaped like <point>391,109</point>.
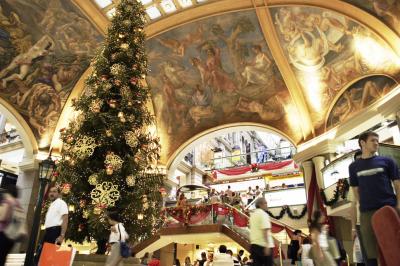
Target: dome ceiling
<point>299,67</point>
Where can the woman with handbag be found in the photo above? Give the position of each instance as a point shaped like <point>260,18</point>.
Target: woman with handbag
<point>117,239</point>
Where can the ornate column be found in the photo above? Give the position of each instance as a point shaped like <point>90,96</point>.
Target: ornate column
<point>28,184</point>
<point>319,163</point>
<point>307,173</point>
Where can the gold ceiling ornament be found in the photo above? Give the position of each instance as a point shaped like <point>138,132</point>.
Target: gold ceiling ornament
<point>84,147</point>
<point>130,180</point>
<point>131,139</point>
<point>114,160</point>
<point>105,194</point>
<point>93,179</point>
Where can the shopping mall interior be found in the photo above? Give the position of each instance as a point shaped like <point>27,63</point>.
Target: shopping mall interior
<point>233,100</point>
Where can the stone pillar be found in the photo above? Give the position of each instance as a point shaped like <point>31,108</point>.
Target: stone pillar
<point>28,184</point>
<point>307,172</point>
<point>319,163</point>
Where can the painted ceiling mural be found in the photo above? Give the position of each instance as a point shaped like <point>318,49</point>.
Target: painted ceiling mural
<point>357,96</point>
<point>386,10</point>
<point>327,51</point>
<point>212,72</point>
<point>45,46</point>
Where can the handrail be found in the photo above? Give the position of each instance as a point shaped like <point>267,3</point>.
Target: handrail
<point>254,200</point>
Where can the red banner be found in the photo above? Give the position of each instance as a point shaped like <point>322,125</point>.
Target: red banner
<point>239,219</point>
<point>244,169</point>
<point>190,214</point>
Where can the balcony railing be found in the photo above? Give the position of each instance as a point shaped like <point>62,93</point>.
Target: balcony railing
<point>270,155</point>
<point>9,136</point>
<point>336,194</point>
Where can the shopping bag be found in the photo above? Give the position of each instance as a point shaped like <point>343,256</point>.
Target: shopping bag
<point>55,255</point>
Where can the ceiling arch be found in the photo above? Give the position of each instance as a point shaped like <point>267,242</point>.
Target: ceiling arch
<point>189,145</point>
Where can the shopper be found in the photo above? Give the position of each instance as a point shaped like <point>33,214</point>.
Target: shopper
<point>250,195</point>
<point>187,262</point>
<point>295,246</point>
<point>371,178</point>
<point>145,260</point>
<point>260,235</point>
<point>117,235</point>
<point>177,262</point>
<point>235,260</point>
<point>8,204</point>
<point>56,221</point>
<point>203,259</point>
<point>240,255</point>
<point>304,252</point>
<point>155,261</point>
<point>223,258</point>
<point>319,250</point>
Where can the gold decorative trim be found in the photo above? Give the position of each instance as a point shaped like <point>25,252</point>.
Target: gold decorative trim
<point>295,90</point>
<point>209,131</point>
<point>94,14</point>
<point>20,122</point>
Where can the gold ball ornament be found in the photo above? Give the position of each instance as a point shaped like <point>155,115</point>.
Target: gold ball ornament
<point>108,132</point>
<point>97,210</point>
<point>109,169</point>
<point>121,117</point>
<point>112,103</point>
<point>95,106</point>
<point>85,214</point>
<point>70,138</point>
<point>124,46</point>
<point>93,179</point>
<point>130,180</point>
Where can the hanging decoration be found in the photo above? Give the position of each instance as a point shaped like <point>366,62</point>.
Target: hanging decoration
<point>66,188</point>
<point>130,180</point>
<point>93,179</point>
<point>131,139</point>
<point>286,209</point>
<point>254,167</point>
<point>114,160</point>
<point>341,190</point>
<point>84,147</point>
<point>105,193</point>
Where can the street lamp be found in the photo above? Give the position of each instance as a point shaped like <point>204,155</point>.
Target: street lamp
<point>46,168</point>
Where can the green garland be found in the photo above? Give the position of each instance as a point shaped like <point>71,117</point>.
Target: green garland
<point>341,190</point>
<point>286,209</point>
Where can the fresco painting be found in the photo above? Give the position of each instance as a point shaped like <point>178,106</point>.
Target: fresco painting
<point>327,51</point>
<point>43,53</point>
<point>358,96</point>
<point>386,10</point>
<point>213,72</point>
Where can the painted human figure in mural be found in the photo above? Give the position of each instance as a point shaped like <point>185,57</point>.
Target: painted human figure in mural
<point>219,79</point>
<point>201,105</point>
<point>175,111</point>
<point>44,107</point>
<point>270,110</point>
<point>24,61</point>
<point>388,9</point>
<point>257,72</point>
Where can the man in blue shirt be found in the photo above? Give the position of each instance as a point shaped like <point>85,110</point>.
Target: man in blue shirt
<point>371,178</point>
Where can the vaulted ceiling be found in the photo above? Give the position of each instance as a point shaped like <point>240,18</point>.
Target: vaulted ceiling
<point>297,67</point>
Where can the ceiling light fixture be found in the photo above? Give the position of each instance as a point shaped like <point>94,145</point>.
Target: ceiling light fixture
<point>168,6</point>
<point>153,12</point>
<point>185,3</point>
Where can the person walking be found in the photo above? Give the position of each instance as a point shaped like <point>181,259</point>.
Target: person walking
<point>261,240</point>
<point>295,243</point>
<point>187,262</point>
<point>117,235</point>
<point>56,221</point>
<point>319,250</point>
<point>8,204</point>
<point>223,258</point>
<point>372,179</point>
<point>304,252</point>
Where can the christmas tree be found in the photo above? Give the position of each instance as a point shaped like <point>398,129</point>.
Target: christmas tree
<point>109,156</point>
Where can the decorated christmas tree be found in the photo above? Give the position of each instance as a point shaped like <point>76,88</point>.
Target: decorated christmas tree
<point>109,156</point>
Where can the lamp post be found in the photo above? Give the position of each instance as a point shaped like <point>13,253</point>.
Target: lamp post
<point>46,168</point>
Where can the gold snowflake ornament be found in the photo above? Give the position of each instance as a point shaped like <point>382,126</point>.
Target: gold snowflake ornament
<point>114,160</point>
<point>105,193</point>
<point>131,139</point>
<point>84,147</point>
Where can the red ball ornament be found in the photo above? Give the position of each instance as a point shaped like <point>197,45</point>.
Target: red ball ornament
<point>104,77</point>
<point>66,188</point>
<point>112,103</point>
<point>117,82</point>
<point>134,80</point>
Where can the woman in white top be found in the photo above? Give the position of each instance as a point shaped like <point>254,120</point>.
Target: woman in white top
<point>304,251</point>
<point>117,235</point>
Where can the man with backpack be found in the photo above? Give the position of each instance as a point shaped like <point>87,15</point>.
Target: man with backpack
<point>12,221</point>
